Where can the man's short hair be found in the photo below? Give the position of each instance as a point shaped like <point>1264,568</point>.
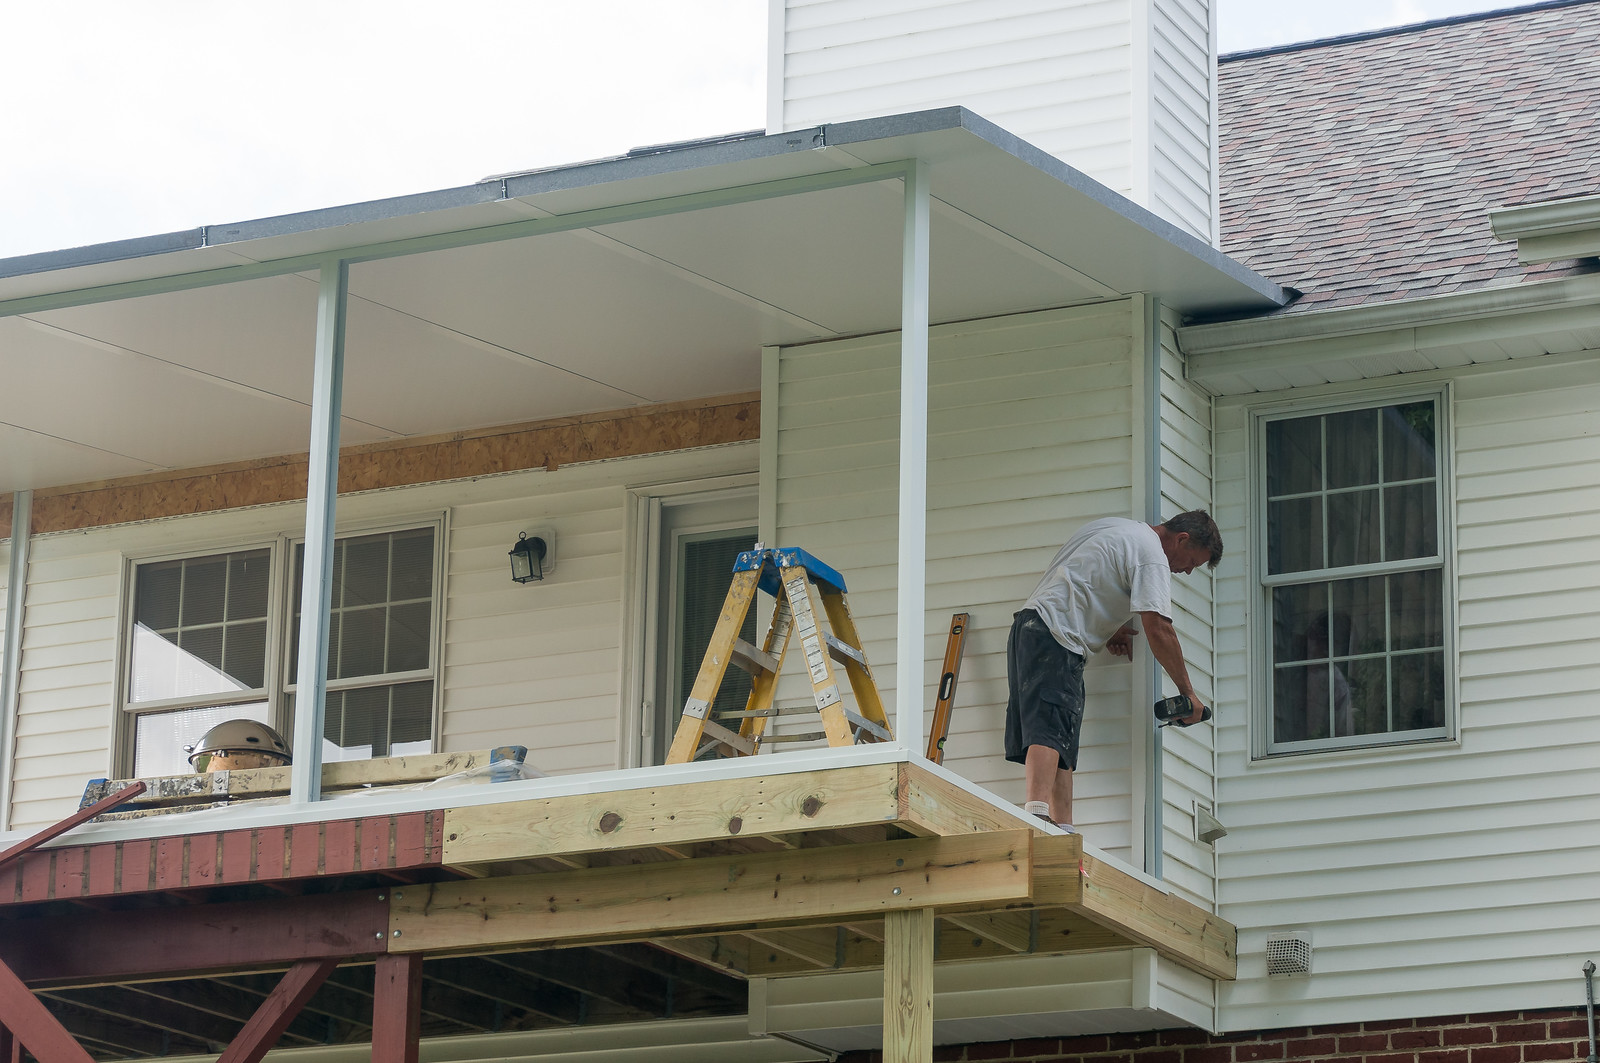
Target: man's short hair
<point>1202,531</point>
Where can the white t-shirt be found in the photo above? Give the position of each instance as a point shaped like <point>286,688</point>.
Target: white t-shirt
<point>1109,570</point>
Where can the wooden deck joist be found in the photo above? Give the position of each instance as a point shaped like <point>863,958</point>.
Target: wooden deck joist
<point>758,877</point>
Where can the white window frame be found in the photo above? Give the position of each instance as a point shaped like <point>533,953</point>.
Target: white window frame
<point>1263,747</point>
<point>278,682</point>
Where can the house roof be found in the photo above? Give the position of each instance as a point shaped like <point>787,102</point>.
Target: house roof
<point>1361,169</point>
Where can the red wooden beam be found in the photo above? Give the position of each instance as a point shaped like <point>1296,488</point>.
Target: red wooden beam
<point>33,1026</point>
<point>276,1012</point>
<point>105,804</point>
<point>397,1008</point>
<point>86,947</point>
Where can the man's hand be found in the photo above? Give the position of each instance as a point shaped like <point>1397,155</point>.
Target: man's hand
<point>1121,644</point>
<point>1199,710</point>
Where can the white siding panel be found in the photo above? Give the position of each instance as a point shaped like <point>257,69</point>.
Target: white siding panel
<point>1187,760</point>
<point>1058,75</point>
<point>1181,115</point>
<point>535,665</point>
<point>1449,877</point>
<point>1029,422</point>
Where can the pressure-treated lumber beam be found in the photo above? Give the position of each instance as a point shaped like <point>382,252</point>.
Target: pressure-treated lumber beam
<point>32,1024</point>
<point>680,814</point>
<point>1170,925</point>
<point>277,1011</point>
<point>89,948</point>
<point>812,886</point>
<point>397,1009</point>
<point>908,986</point>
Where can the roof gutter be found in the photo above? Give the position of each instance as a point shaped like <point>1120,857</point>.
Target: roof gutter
<point>1318,337</point>
<point>1553,231</point>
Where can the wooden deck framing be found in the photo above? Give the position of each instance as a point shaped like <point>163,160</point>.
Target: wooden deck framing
<point>883,865</point>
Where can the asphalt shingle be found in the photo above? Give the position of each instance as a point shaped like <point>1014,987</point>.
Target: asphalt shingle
<point>1363,169</point>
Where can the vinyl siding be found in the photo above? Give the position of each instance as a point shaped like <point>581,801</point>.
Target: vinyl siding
<point>1119,89</point>
<point>1187,757</point>
<point>1452,877</point>
<point>534,665</point>
<point>1029,437</point>
<point>1181,115</point>
<point>1057,75</point>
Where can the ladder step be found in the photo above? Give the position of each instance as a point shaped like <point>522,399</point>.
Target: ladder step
<point>863,724</point>
<point>729,738</point>
<point>842,651</point>
<point>751,714</point>
<point>808,736</point>
<point>752,659</point>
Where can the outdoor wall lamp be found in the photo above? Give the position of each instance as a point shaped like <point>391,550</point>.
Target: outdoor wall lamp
<point>527,559</point>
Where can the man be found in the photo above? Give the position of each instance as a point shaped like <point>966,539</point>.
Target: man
<point>1110,570</point>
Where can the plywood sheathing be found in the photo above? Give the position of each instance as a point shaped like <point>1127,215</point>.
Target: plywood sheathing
<point>512,448</point>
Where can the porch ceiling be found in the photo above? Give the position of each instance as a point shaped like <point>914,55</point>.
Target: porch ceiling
<point>193,349</point>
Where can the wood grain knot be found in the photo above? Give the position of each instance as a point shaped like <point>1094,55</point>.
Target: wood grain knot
<point>610,822</point>
<point>811,806</point>
<point>735,825</point>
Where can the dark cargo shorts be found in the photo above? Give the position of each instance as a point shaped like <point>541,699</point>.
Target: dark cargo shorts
<point>1046,681</point>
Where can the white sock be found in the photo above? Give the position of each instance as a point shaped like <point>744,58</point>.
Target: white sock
<point>1037,808</point>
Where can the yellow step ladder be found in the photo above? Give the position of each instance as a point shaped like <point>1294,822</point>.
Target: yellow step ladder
<point>799,582</point>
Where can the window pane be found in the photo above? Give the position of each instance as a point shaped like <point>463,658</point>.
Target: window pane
<point>1300,703</point>
<point>247,585</point>
<point>204,645</point>
<point>374,721</point>
<point>156,595</point>
<point>1419,690</point>
<point>205,584</point>
<point>1369,698</point>
<point>1408,446</point>
<point>1357,624</point>
<point>1352,448</point>
<point>1295,610</point>
<point>366,571</point>
<point>1416,610</point>
<point>1353,528</point>
<point>1294,456</point>
<point>1294,535</point>
<point>360,645</point>
<point>1410,522</point>
<point>159,737</point>
<point>178,640</point>
<point>411,565</point>
<point>411,719</point>
<point>408,636</point>
<point>334,624</point>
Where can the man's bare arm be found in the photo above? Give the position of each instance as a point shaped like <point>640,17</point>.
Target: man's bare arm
<point>1164,644</point>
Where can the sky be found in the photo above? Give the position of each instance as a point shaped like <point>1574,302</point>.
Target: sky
<point>129,118</point>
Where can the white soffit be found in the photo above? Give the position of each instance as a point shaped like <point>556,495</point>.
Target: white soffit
<point>644,304</point>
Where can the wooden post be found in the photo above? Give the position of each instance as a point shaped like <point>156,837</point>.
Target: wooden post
<point>397,1008</point>
<point>276,1012</point>
<point>908,986</point>
<point>33,1027</point>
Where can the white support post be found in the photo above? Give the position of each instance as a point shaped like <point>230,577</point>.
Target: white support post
<point>912,568</point>
<point>11,656</point>
<point>322,490</point>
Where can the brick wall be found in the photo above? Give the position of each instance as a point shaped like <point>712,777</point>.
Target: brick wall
<point>1497,1037</point>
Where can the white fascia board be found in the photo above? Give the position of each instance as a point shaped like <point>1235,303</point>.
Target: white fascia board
<point>1410,325</point>
<point>1550,232</point>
